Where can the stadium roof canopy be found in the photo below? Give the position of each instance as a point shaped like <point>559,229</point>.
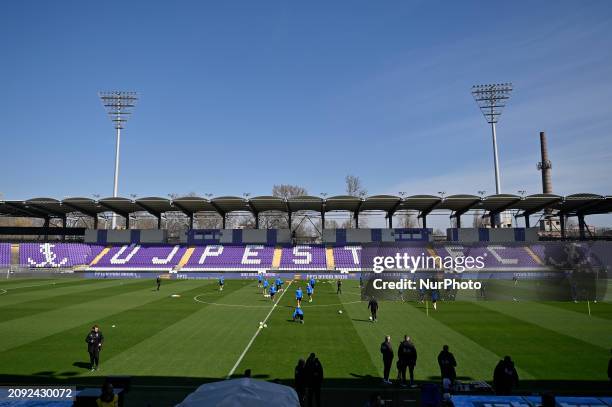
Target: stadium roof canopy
<point>571,205</point>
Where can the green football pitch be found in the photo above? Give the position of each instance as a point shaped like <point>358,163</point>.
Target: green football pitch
<point>169,344</point>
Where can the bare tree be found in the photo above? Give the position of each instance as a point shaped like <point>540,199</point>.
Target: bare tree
<point>287,191</point>
<point>354,186</point>
<point>407,220</point>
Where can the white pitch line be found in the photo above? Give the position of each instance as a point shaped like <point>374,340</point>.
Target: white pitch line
<point>35,285</point>
<point>257,333</point>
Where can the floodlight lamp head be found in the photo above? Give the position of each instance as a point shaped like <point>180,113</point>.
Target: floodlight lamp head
<point>491,99</point>
<point>119,105</point>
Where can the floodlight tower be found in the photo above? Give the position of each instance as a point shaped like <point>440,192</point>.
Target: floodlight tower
<point>119,105</point>
<point>491,100</point>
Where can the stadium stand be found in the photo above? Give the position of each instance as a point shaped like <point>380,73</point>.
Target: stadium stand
<point>154,258</point>
<point>229,258</point>
<point>56,255</point>
<point>5,254</point>
<point>303,257</point>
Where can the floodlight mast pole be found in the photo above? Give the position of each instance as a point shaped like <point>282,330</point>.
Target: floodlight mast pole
<point>119,105</point>
<point>491,99</point>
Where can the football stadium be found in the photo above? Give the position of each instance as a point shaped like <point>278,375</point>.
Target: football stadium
<point>423,297</point>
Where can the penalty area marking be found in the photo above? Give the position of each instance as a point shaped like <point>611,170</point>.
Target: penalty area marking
<point>256,333</point>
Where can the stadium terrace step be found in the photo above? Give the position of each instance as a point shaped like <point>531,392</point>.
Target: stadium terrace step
<point>185,259</point>
<point>329,256</point>
<point>276,260</point>
<point>100,255</point>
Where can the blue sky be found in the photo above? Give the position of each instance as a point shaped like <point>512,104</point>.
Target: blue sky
<point>240,95</point>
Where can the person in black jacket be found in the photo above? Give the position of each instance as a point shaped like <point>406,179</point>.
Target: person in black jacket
<point>505,377</point>
<point>387,355</point>
<point>314,377</point>
<point>94,340</point>
<point>158,282</point>
<point>373,307</point>
<point>301,380</point>
<point>447,363</point>
<point>407,355</point>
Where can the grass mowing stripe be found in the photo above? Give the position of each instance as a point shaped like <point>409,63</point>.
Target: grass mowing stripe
<point>543,353</point>
<point>398,319</point>
<point>43,358</point>
<point>325,332</point>
<point>598,309</point>
<point>203,343</point>
<point>23,330</point>
<point>593,330</point>
<point>56,298</point>
<point>265,321</point>
<point>35,286</point>
<point>50,297</point>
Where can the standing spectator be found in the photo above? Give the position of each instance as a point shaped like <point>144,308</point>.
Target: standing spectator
<point>407,355</point>
<point>387,355</point>
<point>94,340</point>
<point>107,398</point>
<point>447,363</point>
<point>505,377</point>
<point>301,381</point>
<point>314,377</point>
<point>373,307</point>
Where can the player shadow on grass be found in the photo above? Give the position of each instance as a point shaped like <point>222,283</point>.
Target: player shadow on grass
<point>360,320</point>
<point>82,365</point>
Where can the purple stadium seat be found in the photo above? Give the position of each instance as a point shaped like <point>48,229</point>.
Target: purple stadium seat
<point>228,258</point>
<point>56,255</point>
<point>5,254</point>
<point>303,257</point>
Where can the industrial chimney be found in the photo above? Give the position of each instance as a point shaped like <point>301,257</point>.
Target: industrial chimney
<point>545,166</point>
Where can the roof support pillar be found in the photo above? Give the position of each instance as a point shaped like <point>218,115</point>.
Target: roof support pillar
<point>191,220</point>
<point>527,225</point>
<point>127,221</point>
<point>289,220</point>
<point>458,220</point>
<point>223,217</point>
<point>322,219</point>
<point>424,218</point>
<point>562,224</point>
<point>390,216</point>
<point>356,220</point>
<point>46,226</point>
<point>256,215</point>
<point>581,227</point>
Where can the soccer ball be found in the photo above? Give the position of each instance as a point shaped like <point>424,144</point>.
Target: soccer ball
<point>113,326</point>
<point>370,318</point>
<point>265,325</point>
<point>339,311</point>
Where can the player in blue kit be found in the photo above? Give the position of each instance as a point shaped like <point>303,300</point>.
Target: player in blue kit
<point>279,284</point>
<point>298,315</point>
<point>309,292</point>
<point>272,292</point>
<point>265,287</point>
<point>298,296</point>
<point>312,282</point>
<point>221,283</point>
<point>259,280</point>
